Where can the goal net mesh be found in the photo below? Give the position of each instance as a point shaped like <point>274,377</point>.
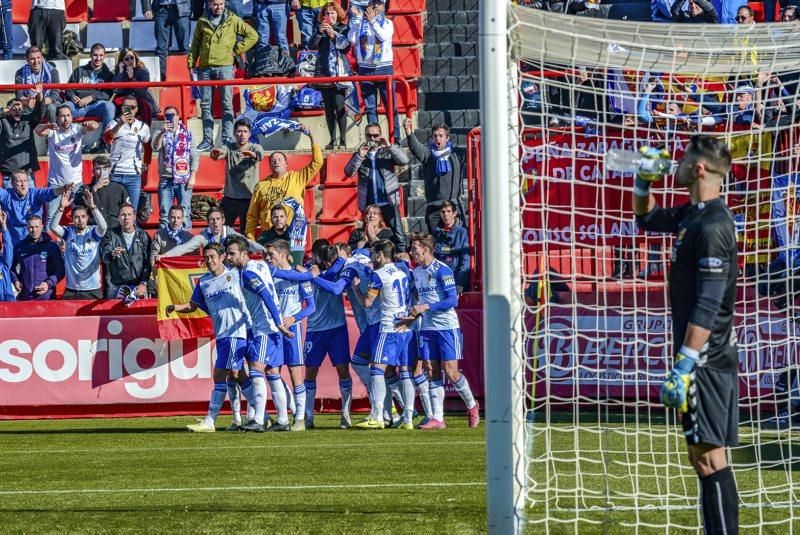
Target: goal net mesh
<point>600,451</point>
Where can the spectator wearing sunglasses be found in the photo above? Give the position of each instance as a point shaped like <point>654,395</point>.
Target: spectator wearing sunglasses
<point>131,69</point>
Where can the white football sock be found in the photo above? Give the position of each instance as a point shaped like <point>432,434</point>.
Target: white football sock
<point>279,398</point>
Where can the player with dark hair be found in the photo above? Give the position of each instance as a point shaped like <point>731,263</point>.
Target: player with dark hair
<point>704,383</point>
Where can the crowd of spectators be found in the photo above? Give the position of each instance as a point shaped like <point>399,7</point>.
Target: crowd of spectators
<point>91,233</point>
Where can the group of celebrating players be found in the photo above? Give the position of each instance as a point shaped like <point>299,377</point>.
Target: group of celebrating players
<point>410,339</point>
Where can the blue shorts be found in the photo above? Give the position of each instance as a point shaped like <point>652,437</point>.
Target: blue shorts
<point>413,348</point>
<point>366,342</point>
<point>440,345</point>
<point>230,353</point>
<point>392,349</point>
<point>266,349</point>
<point>293,348</point>
<point>332,342</point>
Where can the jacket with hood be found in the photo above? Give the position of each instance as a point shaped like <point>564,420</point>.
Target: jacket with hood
<point>452,248</point>
<point>217,46</point>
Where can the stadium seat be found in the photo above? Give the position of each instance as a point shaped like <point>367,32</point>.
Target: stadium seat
<point>310,205</point>
<point>177,69</point>
<point>404,102</point>
<point>8,69</point>
<point>154,220</point>
<point>210,174</point>
<point>339,205</point>
<point>335,232</point>
<point>141,37</point>
<point>107,33</point>
<point>86,171</point>
<point>64,67</point>
<point>407,62</point>
<point>406,6</point>
<point>153,67</point>
<point>21,11</point>
<point>40,176</point>
<point>110,11</point>
<point>22,39</point>
<point>78,10</point>
<point>407,30</point>
<point>333,172</point>
<point>216,103</point>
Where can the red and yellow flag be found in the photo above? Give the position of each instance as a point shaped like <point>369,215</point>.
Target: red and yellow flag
<point>176,278</point>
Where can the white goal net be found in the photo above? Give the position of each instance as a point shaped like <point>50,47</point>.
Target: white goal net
<point>600,452</point>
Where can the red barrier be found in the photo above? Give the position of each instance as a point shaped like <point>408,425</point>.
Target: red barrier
<point>98,358</point>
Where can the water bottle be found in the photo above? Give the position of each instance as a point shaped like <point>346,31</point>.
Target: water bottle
<point>629,161</point>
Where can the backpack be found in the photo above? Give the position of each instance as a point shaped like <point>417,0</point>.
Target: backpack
<point>307,98</point>
<point>201,204</point>
<point>271,61</point>
<point>71,44</point>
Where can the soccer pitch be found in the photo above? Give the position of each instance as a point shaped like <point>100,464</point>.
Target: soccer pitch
<point>150,475</point>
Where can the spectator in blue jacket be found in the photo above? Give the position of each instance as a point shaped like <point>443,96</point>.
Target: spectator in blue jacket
<point>38,264</point>
<point>21,201</point>
<point>6,257</point>
<point>452,244</point>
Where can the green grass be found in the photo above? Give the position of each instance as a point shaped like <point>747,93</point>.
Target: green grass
<point>324,480</point>
<point>148,475</point>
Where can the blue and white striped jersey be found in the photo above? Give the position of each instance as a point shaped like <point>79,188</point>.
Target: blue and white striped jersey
<point>435,286</point>
<point>222,298</point>
<point>394,287</point>
<point>260,296</point>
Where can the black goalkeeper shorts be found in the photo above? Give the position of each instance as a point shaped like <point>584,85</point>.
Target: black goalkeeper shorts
<point>713,415</point>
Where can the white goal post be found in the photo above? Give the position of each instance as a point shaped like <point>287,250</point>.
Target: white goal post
<point>577,334</point>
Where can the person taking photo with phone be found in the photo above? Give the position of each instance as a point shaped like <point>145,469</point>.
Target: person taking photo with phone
<point>178,161</point>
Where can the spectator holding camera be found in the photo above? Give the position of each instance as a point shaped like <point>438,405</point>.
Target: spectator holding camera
<point>17,145</point>
<point>700,12</point>
<point>127,136</point>
<point>130,68</point>
<point>108,196</point>
<point>374,162</point>
<point>178,162</point>
<point>331,40</point>
<point>371,33</point>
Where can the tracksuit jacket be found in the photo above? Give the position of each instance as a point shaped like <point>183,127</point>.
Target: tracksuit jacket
<point>36,262</point>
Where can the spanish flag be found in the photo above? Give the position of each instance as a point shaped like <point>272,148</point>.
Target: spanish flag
<point>177,278</point>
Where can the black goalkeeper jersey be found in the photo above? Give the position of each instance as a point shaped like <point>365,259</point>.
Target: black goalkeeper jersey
<point>703,257</point>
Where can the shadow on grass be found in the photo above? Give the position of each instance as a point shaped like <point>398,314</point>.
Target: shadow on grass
<point>770,455</point>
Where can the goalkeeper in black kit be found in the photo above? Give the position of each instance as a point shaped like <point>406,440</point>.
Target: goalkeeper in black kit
<point>703,384</point>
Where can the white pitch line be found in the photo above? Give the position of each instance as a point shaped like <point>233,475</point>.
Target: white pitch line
<point>249,447</point>
<point>242,488</point>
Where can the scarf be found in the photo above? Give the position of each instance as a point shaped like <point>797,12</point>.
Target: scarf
<point>29,77</point>
<point>175,234</point>
<point>176,147</point>
<point>364,37</point>
<point>443,165</point>
<point>297,229</point>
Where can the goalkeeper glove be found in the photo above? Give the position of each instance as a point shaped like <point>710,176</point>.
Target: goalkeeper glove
<point>641,186</point>
<point>675,390</point>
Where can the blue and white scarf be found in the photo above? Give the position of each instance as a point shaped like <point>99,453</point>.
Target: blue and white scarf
<point>443,165</point>
<point>297,229</point>
<point>268,125</point>
<point>363,39</point>
<point>44,77</point>
<point>177,153</point>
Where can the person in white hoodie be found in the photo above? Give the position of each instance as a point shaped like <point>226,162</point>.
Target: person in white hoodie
<point>371,33</point>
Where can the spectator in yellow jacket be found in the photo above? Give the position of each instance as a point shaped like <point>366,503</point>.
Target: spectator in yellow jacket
<point>214,45</point>
<point>281,186</point>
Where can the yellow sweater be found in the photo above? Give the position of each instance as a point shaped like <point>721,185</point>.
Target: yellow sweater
<point>273,190</point>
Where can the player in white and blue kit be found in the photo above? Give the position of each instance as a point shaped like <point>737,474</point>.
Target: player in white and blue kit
<point>440,332</point>
<point>326,334</point>
<point>265,340</point>
<point>219,294</point>
<point>296,301</point>
<point>390,285</point>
